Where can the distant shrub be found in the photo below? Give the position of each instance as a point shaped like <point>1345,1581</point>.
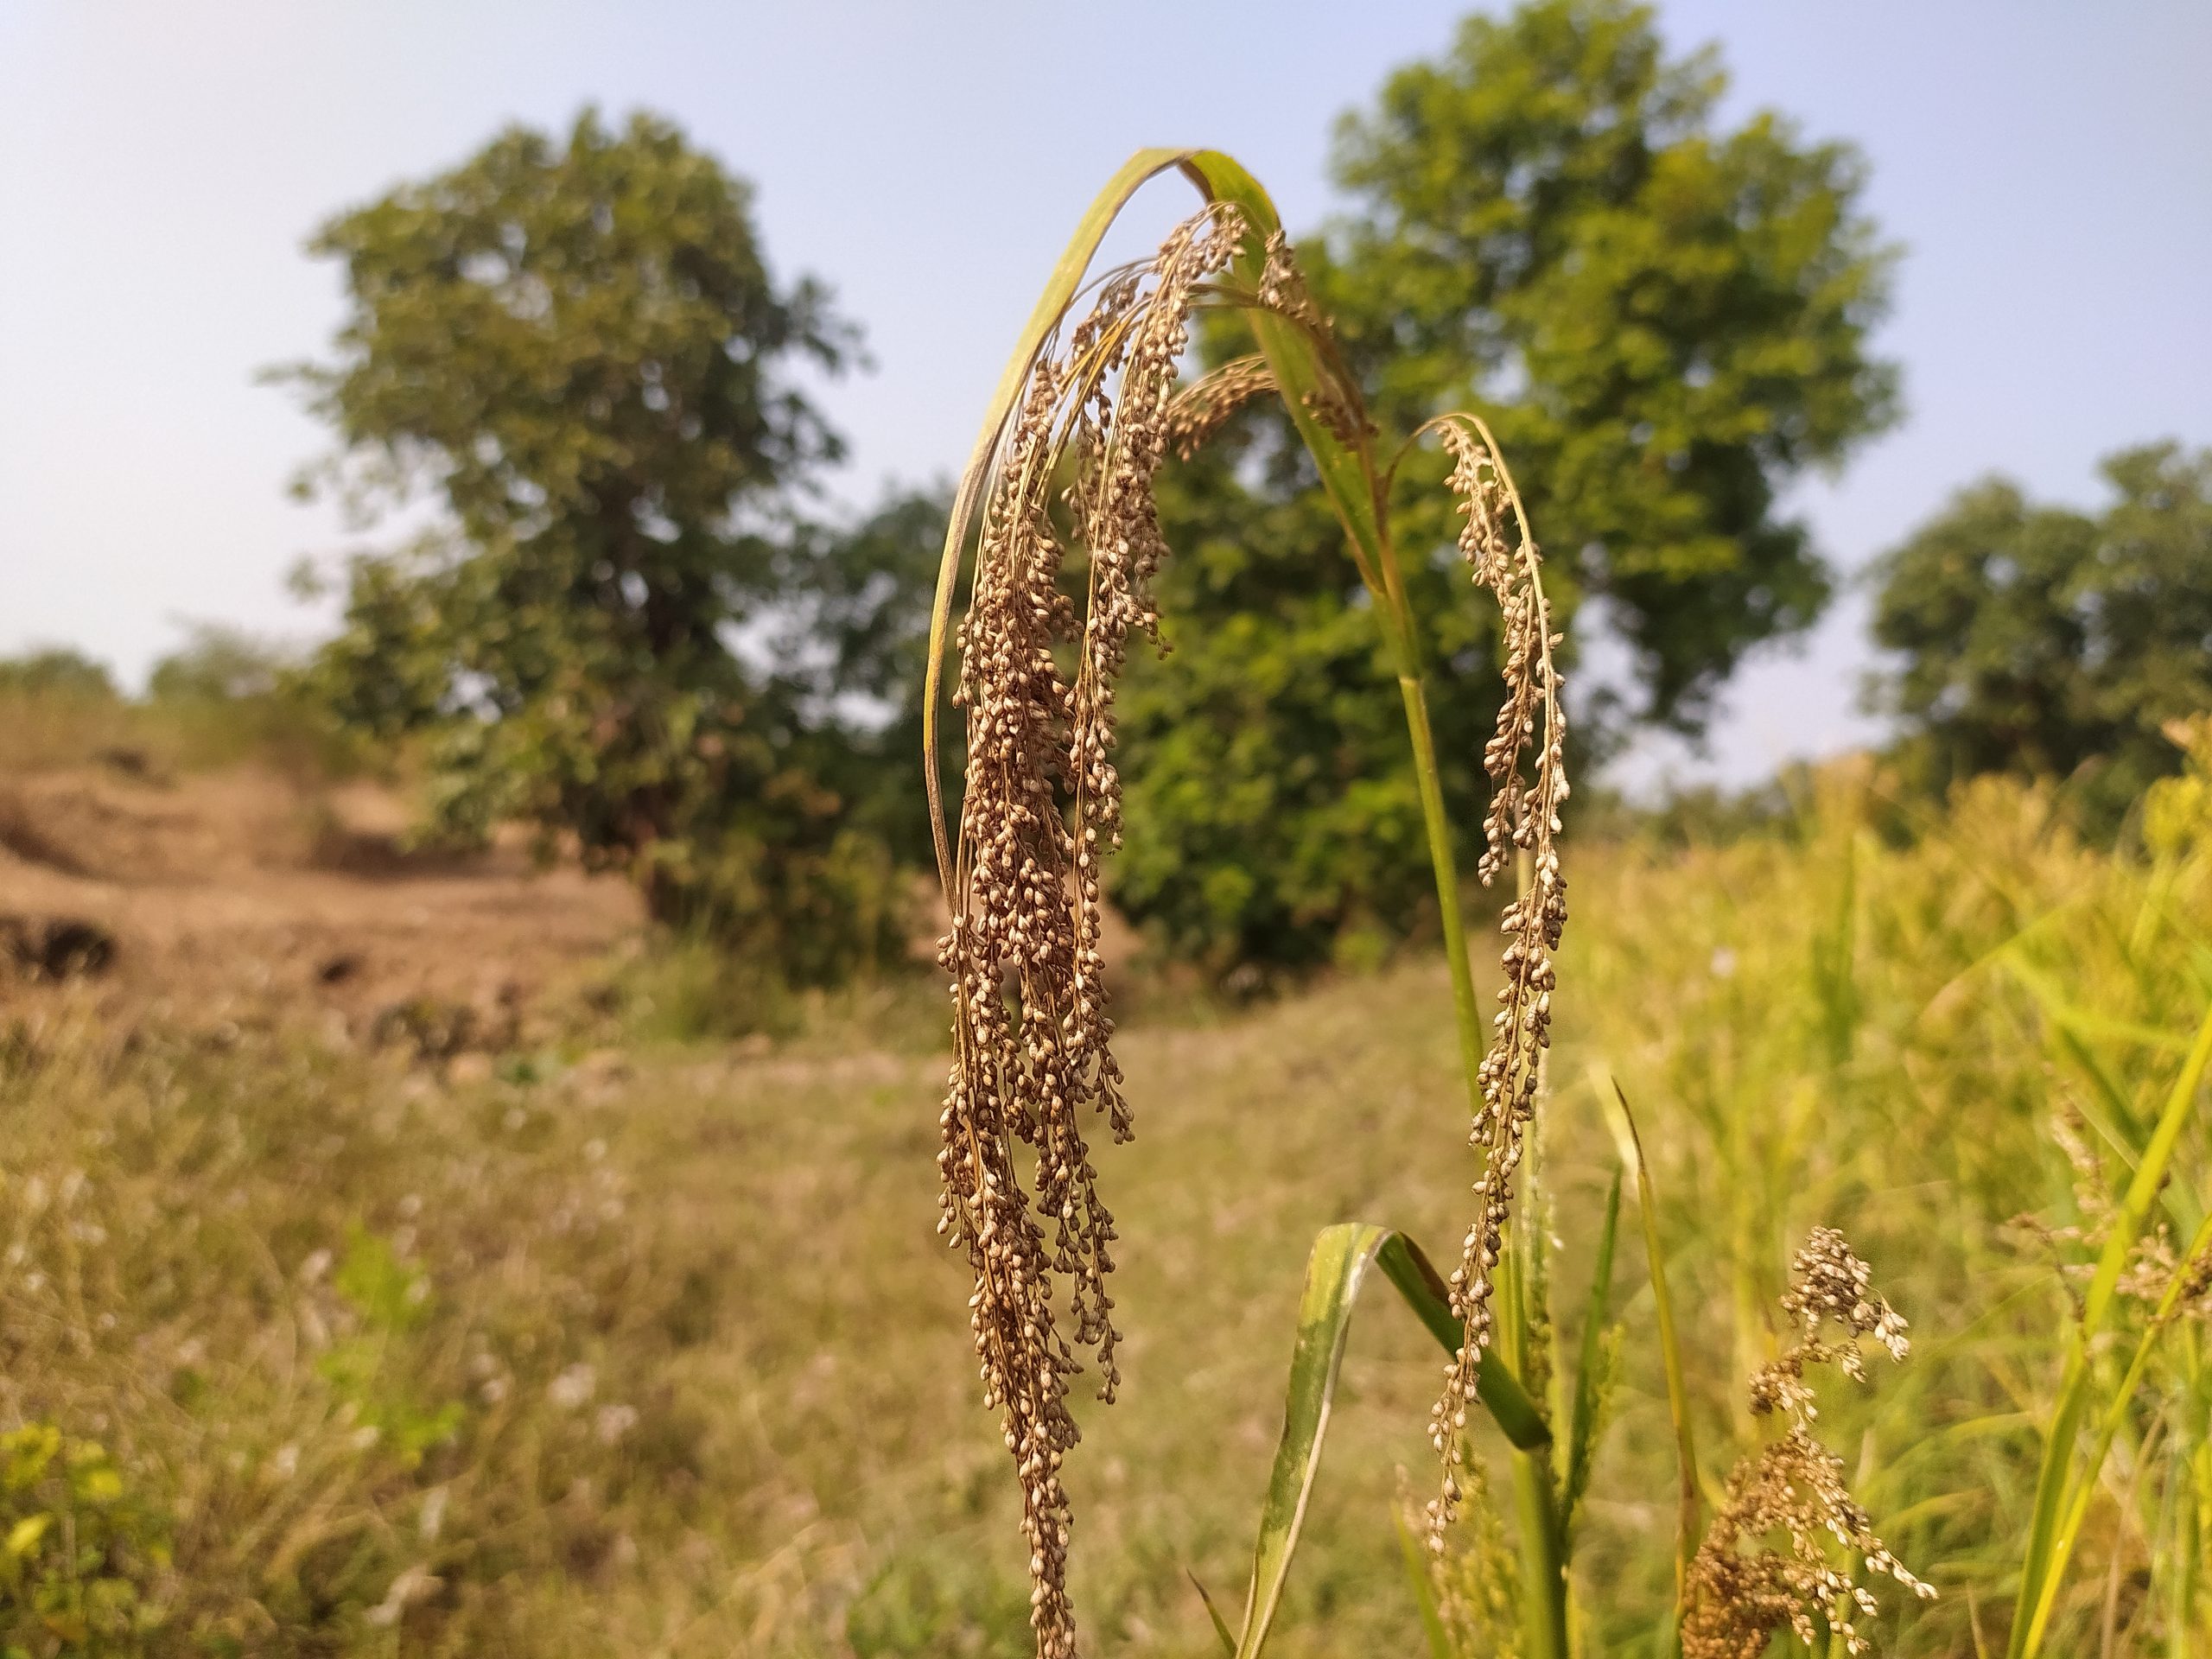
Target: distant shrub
<point>218,663</point>
<point>56,671</point>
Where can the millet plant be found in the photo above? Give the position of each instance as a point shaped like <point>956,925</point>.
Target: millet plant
<point>1056,512</point>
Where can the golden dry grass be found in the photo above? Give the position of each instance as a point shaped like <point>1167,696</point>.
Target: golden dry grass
<point>689,1372</point>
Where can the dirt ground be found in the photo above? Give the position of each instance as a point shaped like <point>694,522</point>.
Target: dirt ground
<point>221,896</point>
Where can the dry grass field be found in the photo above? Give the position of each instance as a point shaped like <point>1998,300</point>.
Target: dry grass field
<point>600,1332</point>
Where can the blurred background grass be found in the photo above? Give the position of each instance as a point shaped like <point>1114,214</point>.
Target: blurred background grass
<point>638,1340</point>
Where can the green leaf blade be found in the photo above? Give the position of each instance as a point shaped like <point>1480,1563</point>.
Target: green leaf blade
<point>1582,1418</point>
<point>1342,1253</point>
<point>1334,1274</point>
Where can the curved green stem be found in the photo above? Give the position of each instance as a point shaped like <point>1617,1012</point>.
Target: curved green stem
<point>1353,482</point>
<point>2115,1417</point>
<point>1466,1009</point>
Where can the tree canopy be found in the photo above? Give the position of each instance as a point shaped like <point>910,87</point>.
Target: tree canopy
<point>577,349</point>
<point>2046,640</point>
<point>1666,318</point>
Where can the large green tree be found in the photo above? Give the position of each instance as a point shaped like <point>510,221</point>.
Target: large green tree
<point>1667,320</point>
<point>574,347</point>
<point>2044,641</point>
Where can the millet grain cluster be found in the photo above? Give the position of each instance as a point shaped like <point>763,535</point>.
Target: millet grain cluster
<point>1041,809</point>
<point>1522,820</point>
<point>1738,1595</point>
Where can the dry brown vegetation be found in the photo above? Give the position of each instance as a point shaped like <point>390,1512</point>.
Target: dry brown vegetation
<point>581,1350</point>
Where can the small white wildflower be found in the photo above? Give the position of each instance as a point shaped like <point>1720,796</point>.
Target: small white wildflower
<point>573,1387</point>
<point>410,1585</point>
<point>613,1422</point>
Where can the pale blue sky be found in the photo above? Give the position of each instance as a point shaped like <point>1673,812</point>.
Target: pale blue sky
<point>2048,167</point>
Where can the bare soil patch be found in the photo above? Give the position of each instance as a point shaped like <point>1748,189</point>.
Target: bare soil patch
<point>219,893</point>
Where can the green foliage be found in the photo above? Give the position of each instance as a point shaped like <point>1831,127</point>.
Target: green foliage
<point>233,696</point>
<point>79,1554</point>
<point>1670,317</point>
<point>2177,812</point>
<point>1664,319</point>
<point>389,1300</point>
<point>579,351</point>
<point>1342,1254</point>
<point>688,991</point>
<point>860,596</point>
<point>56,671</point>
<point>2049,642</point>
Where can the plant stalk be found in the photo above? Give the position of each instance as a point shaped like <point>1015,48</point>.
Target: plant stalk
<point>1543,1566</point>
<point>1466,1011</point>
<point>2053,1486</point>
<point>1355,488</point>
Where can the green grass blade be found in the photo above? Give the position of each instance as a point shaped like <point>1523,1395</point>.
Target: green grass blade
<point>1689,1505</point>
<point>1342,1254</point>
<point>2115,1416</point>
<point>1835,982</point>
<point>2053,1484</point>
<point>1220,1624</point>
<point>1973,1625</point>
<point>1582,1416</point>
<point>2109,1113</point>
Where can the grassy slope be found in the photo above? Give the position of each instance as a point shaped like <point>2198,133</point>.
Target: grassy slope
<point>776,1448</point>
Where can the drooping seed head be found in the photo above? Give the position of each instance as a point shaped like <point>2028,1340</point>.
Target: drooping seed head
<point>1041,808</point>
<point>1522,819</point>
